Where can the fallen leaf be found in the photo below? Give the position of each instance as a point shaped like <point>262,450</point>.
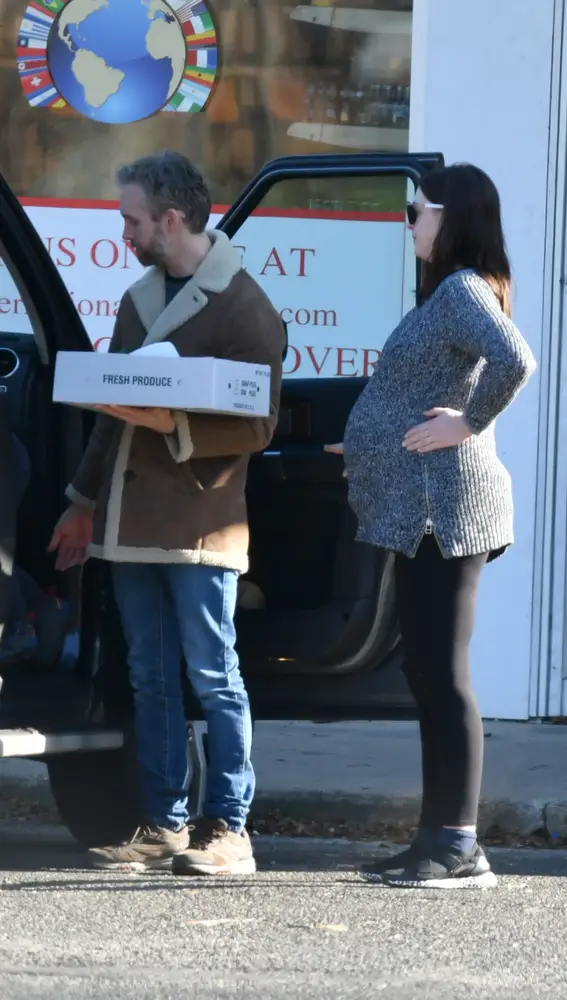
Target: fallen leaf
<point>221,920</point>
<point>336,928</point>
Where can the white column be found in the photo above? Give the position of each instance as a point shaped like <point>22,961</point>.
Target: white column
<point>481,91</point>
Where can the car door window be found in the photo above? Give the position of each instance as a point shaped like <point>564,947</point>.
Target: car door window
<point>334,255</point>
<point>33,297</point>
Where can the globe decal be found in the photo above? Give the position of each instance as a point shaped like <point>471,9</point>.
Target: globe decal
<point>118,61</point>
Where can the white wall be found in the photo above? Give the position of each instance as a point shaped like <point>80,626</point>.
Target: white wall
<point>481,82</point>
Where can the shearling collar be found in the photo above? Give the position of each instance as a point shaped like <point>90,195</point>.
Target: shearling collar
<point>214,274</point>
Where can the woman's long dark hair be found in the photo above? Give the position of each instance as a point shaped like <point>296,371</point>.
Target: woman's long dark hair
<point>470,234</point>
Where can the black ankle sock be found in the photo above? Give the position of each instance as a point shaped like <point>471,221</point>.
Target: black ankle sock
<point>426,835</point>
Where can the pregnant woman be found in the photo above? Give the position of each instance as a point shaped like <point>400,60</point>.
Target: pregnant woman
<point>425,483</point>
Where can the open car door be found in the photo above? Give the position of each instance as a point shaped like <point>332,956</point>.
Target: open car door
<point>37,319</point>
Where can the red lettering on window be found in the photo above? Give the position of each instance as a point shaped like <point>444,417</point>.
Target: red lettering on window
<point>368,366</point>
<point>302,251</point>
<point>314,361</point>
<point>66,246</point>
<point>97,254</point>
<point>128,252</point>
<point>242,251</point>
<point>297,361</point>
<point>100,341</point>
<point>342,360</point>
<point>276,262</point>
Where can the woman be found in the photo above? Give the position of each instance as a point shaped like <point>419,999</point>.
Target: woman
<point>425,483</point>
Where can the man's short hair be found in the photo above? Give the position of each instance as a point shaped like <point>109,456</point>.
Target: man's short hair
<point>170,180</point>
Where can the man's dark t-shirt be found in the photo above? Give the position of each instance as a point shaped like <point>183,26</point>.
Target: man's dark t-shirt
<point>173,286</point>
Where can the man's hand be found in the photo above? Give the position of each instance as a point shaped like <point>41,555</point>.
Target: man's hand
<point>156,418</point>
<point>445,428</point>
<point>72,535</point>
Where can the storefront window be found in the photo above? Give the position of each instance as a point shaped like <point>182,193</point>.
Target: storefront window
<point>314,77</point>
<point>274,79</point>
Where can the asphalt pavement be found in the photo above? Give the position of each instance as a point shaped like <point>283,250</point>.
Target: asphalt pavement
<point>305,926</point>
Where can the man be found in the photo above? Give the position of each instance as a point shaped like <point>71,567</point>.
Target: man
<point>160,495</point>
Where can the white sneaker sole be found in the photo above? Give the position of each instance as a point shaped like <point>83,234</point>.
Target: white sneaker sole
<point>486,881</point>
<point>164,864</point>
<point>246,867</point>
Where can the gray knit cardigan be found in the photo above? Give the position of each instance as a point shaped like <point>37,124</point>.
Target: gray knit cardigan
<point>457,350</point>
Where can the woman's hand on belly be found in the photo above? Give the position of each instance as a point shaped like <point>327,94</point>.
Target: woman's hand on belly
<point>445,428</point>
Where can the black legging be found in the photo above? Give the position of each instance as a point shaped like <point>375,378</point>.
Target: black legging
<point>436,600</point>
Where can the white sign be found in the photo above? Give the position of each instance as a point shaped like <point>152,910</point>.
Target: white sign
<point>338,283</point>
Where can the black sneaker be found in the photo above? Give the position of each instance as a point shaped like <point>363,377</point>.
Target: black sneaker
<point>373,871</point>
<point>443,869</point>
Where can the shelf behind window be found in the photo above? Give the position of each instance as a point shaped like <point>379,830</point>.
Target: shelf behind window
<point>362,137</point>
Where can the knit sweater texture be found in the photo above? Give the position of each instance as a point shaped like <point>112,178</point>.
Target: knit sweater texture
<point>457,350</point>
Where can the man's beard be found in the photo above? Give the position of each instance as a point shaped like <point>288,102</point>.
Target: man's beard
<point>152,256</point>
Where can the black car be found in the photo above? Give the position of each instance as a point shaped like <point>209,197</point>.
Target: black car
<point>324,647</point>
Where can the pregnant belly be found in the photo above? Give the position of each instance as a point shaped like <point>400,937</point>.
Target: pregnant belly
<point>379,471</point>
<point>372,442</point>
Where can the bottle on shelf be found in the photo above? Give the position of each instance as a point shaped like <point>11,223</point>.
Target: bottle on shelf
<point>345,99</point>
<point>365,114</point>
<point>395,107</point>
<point>310,103</point>
<point>382,105</point>
<point>374,103</point>
<point>358,107</point>
<point>407,99</point>
<point>331,116</point>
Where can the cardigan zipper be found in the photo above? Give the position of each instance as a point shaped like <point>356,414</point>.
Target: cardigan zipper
<point>428,521</point>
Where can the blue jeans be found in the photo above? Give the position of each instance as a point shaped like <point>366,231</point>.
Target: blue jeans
<point>168,610</point>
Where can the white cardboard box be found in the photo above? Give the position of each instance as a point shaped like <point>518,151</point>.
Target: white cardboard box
<point>157,378</point>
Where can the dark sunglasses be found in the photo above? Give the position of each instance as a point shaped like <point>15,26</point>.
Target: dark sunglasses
<point>413,210</point>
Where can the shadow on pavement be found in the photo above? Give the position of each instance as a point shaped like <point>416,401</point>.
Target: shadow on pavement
<point>28,848</point>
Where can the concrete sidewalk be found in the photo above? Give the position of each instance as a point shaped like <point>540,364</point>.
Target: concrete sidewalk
<point>369,774</point>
